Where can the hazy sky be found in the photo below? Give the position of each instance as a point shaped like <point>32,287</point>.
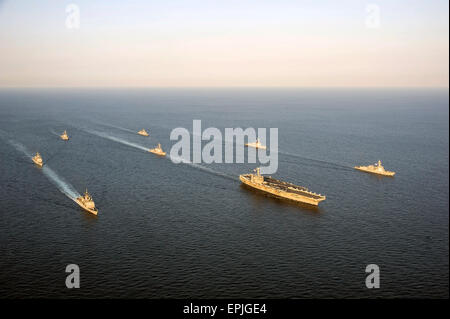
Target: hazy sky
<point>215,43</point>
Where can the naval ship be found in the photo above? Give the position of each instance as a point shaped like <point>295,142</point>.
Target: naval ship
<point>64,136</point>
<point>143,132</point>
<point>281,189</point>
<point>376,168</point>
<point>256,144</point>
<point>87,203</point>
<point>157,150</point>
<point>37,159</point>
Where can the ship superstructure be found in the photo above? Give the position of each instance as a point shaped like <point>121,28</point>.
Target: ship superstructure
<point>37,159</point>
<point>143,132</point>
<point>64,136</point>
<point>157,150</point>
<point>87,203</point>
<point>256,144</point>
<point>376,168</point>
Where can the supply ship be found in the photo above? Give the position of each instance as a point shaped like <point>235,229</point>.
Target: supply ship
<point>37,159</point>
<point>256,144</point>
<point>143,132</point>
<point>157,150</point>
<point>281,189</point>
<point>64,136</point>
<point>87,203</point>
<point>376,168</point>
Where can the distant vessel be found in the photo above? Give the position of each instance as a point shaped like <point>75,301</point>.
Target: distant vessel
<point>281,189</point>
<point>64,136</point>
<point>375,169</point>
<point>157,150</point>
<point>143,132</point>
<point>256,144</point>
<point>87,203</point>
<point>37,159</point>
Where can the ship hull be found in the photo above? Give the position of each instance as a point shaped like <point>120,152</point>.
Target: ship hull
<point>256,146</point>
<point>385,173</point>
<point>281,194</point>
<point>92,211</point>
<point>64,138</point>
<point>143,134</point>
<point>157,153</point>
<point>37,163</point>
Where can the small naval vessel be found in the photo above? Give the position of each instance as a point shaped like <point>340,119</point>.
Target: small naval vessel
<point>37,159</point>
<point>256,144</point>
<point>157,150</point>
<point>281,189</point>
<point>376,168</point>
<point>143,132</point>
<point>64,136</point>
<point>87,203</point>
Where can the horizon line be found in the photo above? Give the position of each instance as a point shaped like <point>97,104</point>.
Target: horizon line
<point>224,87</point>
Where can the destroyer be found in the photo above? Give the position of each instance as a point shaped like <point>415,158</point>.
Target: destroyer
<point>37,159</point>
<point>281,189</point>
<point>143,132</point>
<point>256,144</point>
<point>64,136</point>
<point>157,150</point>
<point>87,203</point>
<point>376,168</point>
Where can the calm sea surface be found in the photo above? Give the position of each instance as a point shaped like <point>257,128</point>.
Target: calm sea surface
<point>168,230</point>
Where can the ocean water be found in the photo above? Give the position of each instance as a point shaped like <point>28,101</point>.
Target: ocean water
<point>185,230</point>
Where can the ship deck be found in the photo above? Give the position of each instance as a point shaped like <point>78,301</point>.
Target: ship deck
<point>287,187</point>
<point>290,188</point>
<point>374,171</point>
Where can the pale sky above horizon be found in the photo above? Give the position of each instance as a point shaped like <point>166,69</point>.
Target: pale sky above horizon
<point>227,43</point>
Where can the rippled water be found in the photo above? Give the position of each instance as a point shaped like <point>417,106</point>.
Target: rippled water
<point>191,230</point>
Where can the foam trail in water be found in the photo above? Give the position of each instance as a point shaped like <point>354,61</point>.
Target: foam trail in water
<point>117,127</point>
<point>62,185</point>
<point>315,160</point>
<point>235,143</point>
<point>20,148</point>
<point>201,167</point>
<point>53,132</point>
<point>118,140</point>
